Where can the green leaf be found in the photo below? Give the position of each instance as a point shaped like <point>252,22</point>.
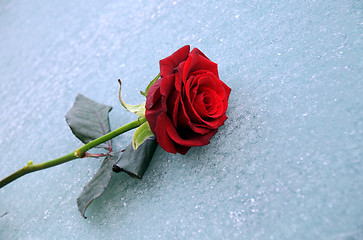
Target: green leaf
<point>135,162</point>
<point>149,86</point>
<point>97,185</point>
<point>89,120</point>
<point>138,109</point>
<point>141,134</point>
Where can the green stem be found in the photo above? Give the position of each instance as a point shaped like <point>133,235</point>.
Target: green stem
<point>78,153</point>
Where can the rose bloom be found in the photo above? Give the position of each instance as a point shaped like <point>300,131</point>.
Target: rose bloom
<point>187,105</point>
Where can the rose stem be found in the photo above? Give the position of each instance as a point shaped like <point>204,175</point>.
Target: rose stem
<point>78,153</point>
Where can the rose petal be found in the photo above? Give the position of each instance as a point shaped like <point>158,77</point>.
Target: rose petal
<point>167,85</point>
<point>188,91</point>
<point>173,106</point>
<point>196,62</point>
<point>182,149</point>
<point>178,76</point>
<point>205,81</point>
<point>152,115</point>
<point>216,104</point>
<point>198,52</point>
<point>193,140</point>
<point>153,94</point>
<point>227,91</point>
<point>162,137</point>
<point>208,80</point>
<point>200,106</point>
<point>193,120</point>
<point>168,65</point>
<point>155,105</point>
<point>185,122</point>
<point>194,116</point>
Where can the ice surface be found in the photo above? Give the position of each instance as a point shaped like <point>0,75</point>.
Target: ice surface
<point>287,164</point>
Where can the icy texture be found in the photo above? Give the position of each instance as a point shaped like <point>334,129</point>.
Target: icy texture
<point>287,164</point>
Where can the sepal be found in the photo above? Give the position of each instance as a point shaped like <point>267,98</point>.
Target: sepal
<point>149,85</point>
<point>138,109</point>
<point>141,134</point>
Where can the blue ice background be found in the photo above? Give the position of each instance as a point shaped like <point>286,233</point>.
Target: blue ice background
<point>286,165</point>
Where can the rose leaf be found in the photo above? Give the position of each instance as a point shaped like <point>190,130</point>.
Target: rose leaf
<point>135,162</point>
<point>141,134</point>
<point>89,120</point>
<point>97,185</point>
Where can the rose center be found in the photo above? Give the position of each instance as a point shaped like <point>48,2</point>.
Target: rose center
<point>208,104</point>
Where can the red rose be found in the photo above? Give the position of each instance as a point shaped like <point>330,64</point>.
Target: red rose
<point>188,103</point>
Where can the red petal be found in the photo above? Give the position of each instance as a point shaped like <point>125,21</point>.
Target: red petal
<point>162,137</point>
<point>167,85</point>
<point>182,149</point>
<point>169,64</point>
<point>152,115</point>
<point>197,61</point>
<point>154,94</point>
<point>185,121</point>
<point>194,139</point>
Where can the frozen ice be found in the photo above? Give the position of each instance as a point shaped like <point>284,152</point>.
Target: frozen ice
<point>286,165</point>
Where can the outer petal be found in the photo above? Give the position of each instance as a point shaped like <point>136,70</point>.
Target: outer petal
<point>167,85</point>
<point>192,140</point>
<point>196,62</point>
<point>162,137</point>
<point>153,94</point>
<point>197,51</point>
<point>168,65</point>
<point>182,149</point>
<point>152,115</point>
<point>154,105</point>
